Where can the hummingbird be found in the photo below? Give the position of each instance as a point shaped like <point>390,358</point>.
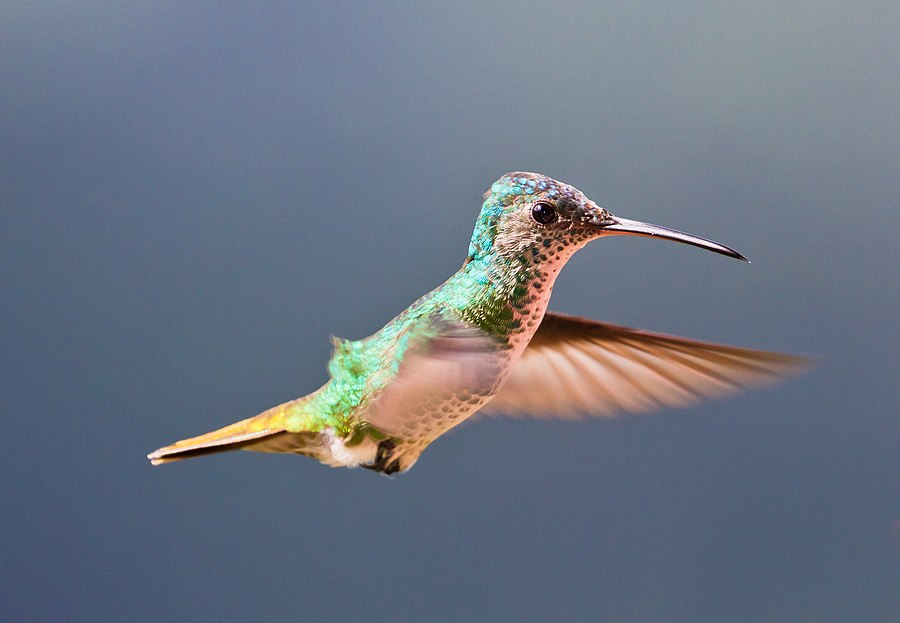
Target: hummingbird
<point>484,341</point>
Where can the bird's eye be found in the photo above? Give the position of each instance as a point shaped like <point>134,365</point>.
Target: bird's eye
<point>543,212</point>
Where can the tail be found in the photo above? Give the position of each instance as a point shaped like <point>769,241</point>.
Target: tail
<point>262,433</point>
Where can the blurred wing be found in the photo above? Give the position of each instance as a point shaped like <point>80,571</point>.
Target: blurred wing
<point>440,358</point>
<point>575,365</point>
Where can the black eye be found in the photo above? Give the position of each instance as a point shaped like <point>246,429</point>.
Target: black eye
<point>543,213</point>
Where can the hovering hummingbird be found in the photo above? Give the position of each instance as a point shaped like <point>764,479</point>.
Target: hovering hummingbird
<point>484,340</point>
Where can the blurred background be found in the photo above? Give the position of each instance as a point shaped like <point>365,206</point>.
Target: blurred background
<point>193,196</point>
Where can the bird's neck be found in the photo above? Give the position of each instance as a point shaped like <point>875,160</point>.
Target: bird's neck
<point>506,296</point>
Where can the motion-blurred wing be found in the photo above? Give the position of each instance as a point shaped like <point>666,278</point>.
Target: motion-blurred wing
<point>578,366</point>
<point>440,361</point>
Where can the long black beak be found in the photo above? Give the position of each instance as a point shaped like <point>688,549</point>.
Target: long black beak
<point>616,225</point>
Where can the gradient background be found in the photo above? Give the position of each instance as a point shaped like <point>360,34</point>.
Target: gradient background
<point>194,195</point>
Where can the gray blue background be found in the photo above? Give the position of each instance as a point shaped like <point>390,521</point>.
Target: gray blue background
<point>194,195</point>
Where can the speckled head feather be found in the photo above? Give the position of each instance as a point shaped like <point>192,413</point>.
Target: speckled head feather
<point>511,193</point>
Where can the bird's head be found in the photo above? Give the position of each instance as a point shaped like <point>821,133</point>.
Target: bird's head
<point>535,218</point>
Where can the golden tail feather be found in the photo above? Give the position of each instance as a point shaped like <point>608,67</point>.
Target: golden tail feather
<point>263,433</point>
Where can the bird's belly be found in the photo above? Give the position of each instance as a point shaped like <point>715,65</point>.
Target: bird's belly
<point>438,411</point>
<point>434,418</point>
<point>427,421</point>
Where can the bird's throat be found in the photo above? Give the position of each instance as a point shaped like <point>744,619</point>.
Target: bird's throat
<point>506,297</point>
